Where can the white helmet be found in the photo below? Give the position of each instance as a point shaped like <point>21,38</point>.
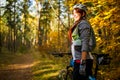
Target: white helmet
<point>80,6</point>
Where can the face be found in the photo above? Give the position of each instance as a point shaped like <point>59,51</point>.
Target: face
<point>76,15</point>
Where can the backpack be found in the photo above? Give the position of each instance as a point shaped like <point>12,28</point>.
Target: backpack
<point>92,42</point>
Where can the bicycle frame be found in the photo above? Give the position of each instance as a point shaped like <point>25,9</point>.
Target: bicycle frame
<point>100,59</point>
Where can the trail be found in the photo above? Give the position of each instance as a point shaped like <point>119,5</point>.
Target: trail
<point>18,69</point>
<point>30,66</point>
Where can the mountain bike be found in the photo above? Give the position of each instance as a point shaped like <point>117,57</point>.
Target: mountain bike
<point>100,59</point>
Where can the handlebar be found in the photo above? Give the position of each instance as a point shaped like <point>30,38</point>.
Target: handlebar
<point>61,54</point>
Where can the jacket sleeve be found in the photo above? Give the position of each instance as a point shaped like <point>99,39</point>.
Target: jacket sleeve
<point>84,32</point>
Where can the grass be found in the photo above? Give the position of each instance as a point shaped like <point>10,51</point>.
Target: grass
<point>48,67</point>
<point>44,65</point>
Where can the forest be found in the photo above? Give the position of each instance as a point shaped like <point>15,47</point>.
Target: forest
<point>41,26</point>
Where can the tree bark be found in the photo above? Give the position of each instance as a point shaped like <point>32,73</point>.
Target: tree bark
<point>14,43</point>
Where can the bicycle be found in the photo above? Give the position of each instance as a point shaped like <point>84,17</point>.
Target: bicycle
<point>100,59</point>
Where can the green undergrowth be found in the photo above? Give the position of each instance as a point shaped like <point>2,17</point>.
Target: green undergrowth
<point>48,66</point>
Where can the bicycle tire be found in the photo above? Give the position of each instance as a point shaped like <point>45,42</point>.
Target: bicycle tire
<point>65,74</point>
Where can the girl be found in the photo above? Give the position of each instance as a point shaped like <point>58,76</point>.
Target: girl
<point>80,36</point>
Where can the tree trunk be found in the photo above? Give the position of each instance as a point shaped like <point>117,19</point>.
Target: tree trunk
<point>0,33</point>
<point>14,43</point>
<point>68,25</point>
<point>39,32</point>
<point>25,24</point>
<point>59,44</point>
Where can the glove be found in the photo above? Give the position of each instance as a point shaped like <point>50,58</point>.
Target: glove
<point>82,68</point>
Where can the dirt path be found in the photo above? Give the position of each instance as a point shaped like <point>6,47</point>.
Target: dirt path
<point>18,69</point>
<point>31,66</point>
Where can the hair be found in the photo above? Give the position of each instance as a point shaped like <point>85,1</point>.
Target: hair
<point>81,12</point>
<point>76,23</point>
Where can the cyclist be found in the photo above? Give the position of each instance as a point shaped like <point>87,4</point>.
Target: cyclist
<point>83,41</point>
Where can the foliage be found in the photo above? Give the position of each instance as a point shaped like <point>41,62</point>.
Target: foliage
<point>44,23</point>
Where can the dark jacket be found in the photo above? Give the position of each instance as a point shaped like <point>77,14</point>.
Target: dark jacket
<point>87,36</point>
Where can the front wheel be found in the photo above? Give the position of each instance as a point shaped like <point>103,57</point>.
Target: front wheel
<point>65,74</point>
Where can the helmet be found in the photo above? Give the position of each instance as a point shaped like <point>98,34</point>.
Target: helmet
<point>80,6</point>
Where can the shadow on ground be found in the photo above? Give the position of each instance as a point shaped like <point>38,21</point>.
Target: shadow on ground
<point>16,74</point>
<point>16,67</point>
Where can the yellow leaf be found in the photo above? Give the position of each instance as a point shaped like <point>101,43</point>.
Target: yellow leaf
<point>107,17</point>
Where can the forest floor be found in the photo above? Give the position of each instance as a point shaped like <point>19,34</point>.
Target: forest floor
<point>16,67</point>
<point>30,66</point>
